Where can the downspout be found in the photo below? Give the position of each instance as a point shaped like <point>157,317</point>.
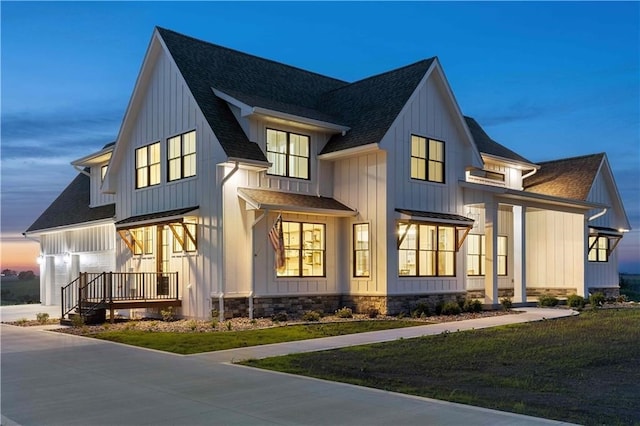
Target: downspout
<point>531,173</point>
<point>253,263</point>
<point>597,215</point>
<point>81,170</point>
<point>221,242</point>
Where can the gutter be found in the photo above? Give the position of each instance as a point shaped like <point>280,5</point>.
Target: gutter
<point>597,215</point>
<point>81,170</point>
<point>220,218</point>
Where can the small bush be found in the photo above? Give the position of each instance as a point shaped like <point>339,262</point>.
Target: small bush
<point>22,321</point>
<point>451,308</point>
<point>42,317</point>
<point>506,303</point>
<point>214,323</point>
<point>192,324</point>
<point>472,305</point>
<point>422,310</point>
<point>576,301</point>
<point>77,321</point>
<point>311,316</point>
<point>439,307</point>
<point>167,314</point>
<point>344,313</point>
<point>373,313</point>
<point>229,326</point>
<point>547,300</point>
<point>280,317</point>
<point>622,298</point>
<point>596,299</point>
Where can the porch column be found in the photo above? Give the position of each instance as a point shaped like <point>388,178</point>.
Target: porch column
<point>519,255</point>
<point>583,289</point>
<point>491,244</point>
<point>75,267</point>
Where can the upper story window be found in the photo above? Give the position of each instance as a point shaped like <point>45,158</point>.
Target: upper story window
<point>426,250</point>
<point>181,156</point>
<point>486,174</point>
<point>148,165</point>
<point>598,249</point>
<point>427,159</point>
<point>304,249</point>
<point>288,153</point>
<point>361,257</point>
<point>103,172</point>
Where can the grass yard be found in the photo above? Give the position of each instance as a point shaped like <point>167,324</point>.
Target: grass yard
<point>583,369</point>
<point>191,343</point>
<point>20,292</point>
<point>630,286</point>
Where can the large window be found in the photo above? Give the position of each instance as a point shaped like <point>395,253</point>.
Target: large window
<point>304,249</point>
<point>598,249</point>
<point>361,257</point>
<point>288,154</point>
<point>476,255</point>
<point>185,241</point>
<point>148,165</point>
<point>427,159</point>
<point>143,240</point>
<point>181,156</point>
<point>426,250</point>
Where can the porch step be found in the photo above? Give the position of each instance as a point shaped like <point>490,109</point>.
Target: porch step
<point>97,316</point>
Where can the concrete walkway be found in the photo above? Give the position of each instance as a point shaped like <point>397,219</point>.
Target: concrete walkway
<point>16,312</point>
<point>58,379</point>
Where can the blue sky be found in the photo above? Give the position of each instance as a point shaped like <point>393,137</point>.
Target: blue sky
<point>548,80</point>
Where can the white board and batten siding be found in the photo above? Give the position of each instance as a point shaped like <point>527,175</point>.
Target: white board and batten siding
<point>97,197</point>
<point>360,183</point>
<point>428,114</point>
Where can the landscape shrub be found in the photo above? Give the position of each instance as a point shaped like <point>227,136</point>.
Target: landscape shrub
<point>373,313</point>
<point>167,314</point>
<point>77,321</point>
<point>311,316</point>
<point>576,301</point>
<point>506,303</point>
<point>547,300</point>
<point>42,317</point>
<point>451,308</point>
<point>280,317</point>
<point>596,299</point>
<point>344,313</point>
<point>22,321</point>
<point>439,307</point>
<point>472,305</point>
<point>422,310</point>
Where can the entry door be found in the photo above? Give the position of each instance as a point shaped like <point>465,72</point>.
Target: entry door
<point>162,260</point>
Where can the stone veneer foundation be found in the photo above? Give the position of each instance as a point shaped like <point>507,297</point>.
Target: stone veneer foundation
<point>607,291</point>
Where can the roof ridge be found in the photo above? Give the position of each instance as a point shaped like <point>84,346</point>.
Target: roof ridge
<point>579,157</point>
<point>251,55</point>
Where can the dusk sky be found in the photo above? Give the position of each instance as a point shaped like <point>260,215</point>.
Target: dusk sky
<point>548,80</point>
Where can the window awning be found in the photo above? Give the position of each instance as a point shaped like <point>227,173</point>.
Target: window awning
<point>159,218</point>
<point>462,224</point>
<point>263,199</point>
<point>613,235</point>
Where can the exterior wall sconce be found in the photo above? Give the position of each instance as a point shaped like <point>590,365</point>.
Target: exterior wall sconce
<point>67,258</point>
<point>40,259</point>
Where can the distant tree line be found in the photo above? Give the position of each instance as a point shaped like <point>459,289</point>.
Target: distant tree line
<point>23,275</point>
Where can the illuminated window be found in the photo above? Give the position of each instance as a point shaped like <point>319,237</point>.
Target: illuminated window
<point>598,249</point>
<point>476,255</point>
<point>361,257</point>
<point>181,156</point>
<point>426,250</point>
<point>427,159</point>
<point>143,240</point>
<point>304,249</point>
<point>501,255</point>
<point>148,165</point>
<point>288,154</point>
<point>189,243</point>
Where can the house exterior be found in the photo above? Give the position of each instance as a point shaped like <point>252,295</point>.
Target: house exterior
<point>387,196</point>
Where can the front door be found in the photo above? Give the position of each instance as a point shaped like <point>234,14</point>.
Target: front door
<point>162,260</point>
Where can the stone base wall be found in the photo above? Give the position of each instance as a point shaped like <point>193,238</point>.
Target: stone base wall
<point>557,292</point>
<point>609,292</point>
<point>264,307</point>
<point>479,294</point>
<point>233,307</point>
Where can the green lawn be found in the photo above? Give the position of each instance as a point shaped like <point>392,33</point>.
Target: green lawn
<point>583,369</point>
<point>630,286</point>
<point>191,343</point>
<point>20,292</point>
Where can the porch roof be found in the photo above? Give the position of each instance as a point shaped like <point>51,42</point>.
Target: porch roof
<point>604,231</point>
<point>154,218</point>
<point>263,199</point>
<point>438,217</point>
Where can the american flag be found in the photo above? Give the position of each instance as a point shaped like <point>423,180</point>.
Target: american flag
<point>277,242</point>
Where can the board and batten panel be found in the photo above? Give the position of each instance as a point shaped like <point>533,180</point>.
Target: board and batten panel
<point>555,249</point>
<point>97,198</point>
<point>429,114</point>
<point>360,183</point>
<point>85,239</point>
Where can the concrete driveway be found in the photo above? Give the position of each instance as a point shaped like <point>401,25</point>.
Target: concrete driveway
<point>57,379</point>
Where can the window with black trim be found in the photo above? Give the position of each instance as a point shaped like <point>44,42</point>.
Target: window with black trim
<point>143,240</point>
<point>426,250</point>
<point>304,249</point>
<point>361,256</point>
<point>190,245</point>
<point>476,255</point>
<point>288,154</point>
<point>598,249</point>
<point>427,159</point>
<point>181,156</point>
<point>148,165</point>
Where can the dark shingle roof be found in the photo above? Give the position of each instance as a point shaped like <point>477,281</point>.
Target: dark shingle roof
<point>369,106</point>
<point>276,200</point>
<point>435,215</point>
<point>155,217</point>
<point>567,178</point>
<point>205,66</point>
<point>72,207</point>
<point>486,145</point>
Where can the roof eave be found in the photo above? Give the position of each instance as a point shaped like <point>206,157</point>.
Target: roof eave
<point>517,164</point>
<point>350,152</point>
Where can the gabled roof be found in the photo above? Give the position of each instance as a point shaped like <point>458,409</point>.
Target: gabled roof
<point>371,105</point>
<point>205,66</point>
<point>486,145</point>
<point>72,207</point>
<point>567,178</point>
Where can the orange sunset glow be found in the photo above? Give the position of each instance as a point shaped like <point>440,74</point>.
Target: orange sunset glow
<point>19,254</point>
